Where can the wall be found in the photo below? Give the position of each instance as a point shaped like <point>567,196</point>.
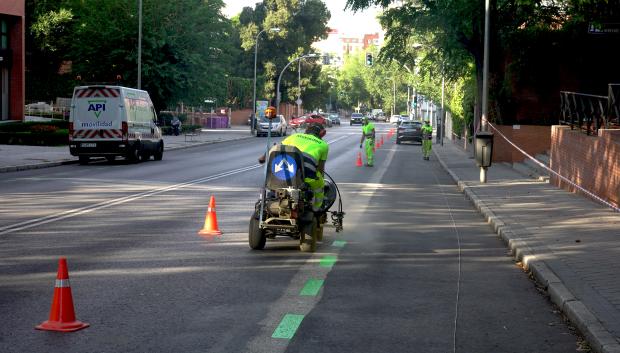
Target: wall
<point>240,117</point>
<point>17,89</point>
<point>593,162</point>
<point>532,139</point>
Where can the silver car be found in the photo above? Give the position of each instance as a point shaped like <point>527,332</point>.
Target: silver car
<point>278,127</point>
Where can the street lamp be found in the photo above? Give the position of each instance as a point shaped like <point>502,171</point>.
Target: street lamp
<point>313,55</point>
<point>253,122</point>
<point>139,44</point>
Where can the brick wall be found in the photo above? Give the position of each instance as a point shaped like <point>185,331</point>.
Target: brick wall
<point>531,138</point>
<point>593,162</point>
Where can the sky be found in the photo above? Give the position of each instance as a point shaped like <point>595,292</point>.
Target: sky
<point>348,22</point>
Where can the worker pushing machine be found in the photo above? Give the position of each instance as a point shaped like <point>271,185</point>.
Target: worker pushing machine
<point>368,134</point>
<point>427,139</point>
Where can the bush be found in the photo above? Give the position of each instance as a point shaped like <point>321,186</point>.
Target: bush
<point>33,126</point>
<point>35,133</point>
<point>56,138</point>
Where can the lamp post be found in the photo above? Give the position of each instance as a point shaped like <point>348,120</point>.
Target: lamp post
<point>485,80</point>
<point>139,44</point>
<point>253,121</point>
<point>282,72</point>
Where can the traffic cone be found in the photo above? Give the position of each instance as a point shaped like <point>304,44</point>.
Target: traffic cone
<point>62,316</point>
<point>381,143</point>
<point>359,162</point>
<point>210,226</point>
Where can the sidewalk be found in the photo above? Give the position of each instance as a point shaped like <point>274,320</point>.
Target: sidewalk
<point>17,157</point>
<point>570,243</point>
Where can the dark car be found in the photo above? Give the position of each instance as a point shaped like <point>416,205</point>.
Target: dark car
<point>356,118</point>
<point>409,131</point>
<point>335,119</point>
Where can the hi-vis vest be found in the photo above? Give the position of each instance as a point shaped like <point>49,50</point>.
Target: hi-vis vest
<point>427,132</point>
<point>313,148</point>
<point>367,131</point>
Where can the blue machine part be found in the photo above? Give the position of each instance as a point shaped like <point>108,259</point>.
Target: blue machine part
<point>284,167</point>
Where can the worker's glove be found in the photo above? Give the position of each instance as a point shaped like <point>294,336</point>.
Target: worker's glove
<point>360,145</point>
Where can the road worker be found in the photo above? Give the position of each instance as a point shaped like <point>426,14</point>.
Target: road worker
<point>315,152</point>
<point>427,139</point>
<point>368,134</point>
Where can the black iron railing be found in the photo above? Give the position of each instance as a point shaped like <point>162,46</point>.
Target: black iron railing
<point>613,106</point>
<point>590,112</point>
<point>584,111</point>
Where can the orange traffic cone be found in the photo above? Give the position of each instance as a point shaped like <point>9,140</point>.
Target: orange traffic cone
<point>210,227</point>
<point>381,143</point>
<point>359,162</point>
<point>377,145</point>
<point>62,316</point>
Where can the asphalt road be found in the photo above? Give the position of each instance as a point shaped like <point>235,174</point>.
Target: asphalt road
<point>416,269</point>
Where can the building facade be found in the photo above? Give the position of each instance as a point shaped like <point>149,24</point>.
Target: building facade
<point>12,59</point>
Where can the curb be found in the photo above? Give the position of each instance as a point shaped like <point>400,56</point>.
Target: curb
<point>600,340</point>
<point>19,168</point>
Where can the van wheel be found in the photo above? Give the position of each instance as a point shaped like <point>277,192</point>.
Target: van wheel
<point>160,152</point>
<point>144,155</point>
<point>84,160</point>
<point>134,153</point>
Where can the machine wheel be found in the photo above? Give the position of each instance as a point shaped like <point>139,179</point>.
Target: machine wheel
<point>110,158</point>
<point>256,236</point>
<point>309,231</point>
<point>159,155</point>
<point>84,159</point>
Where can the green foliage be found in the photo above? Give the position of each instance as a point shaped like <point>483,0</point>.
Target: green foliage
<point>301,23</point>
<point>538,48</point>
<point>50,133</point>
<point>186,51</point>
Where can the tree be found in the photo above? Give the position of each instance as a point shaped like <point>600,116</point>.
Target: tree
<point>301,23</point>
<point>529,39</point>
<point>186,49</point>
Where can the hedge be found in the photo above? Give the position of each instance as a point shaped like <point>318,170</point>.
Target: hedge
<point>57,138</point>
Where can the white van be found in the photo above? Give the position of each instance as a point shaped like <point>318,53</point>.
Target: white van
<point>110,121</point>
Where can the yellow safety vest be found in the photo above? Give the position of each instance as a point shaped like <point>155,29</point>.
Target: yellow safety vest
<point>313,148</point>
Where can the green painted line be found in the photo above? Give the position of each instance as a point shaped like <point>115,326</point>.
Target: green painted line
<point>312,287</point>
<point>328,261</point>
<point>339,243</point>
<point>288,326</point>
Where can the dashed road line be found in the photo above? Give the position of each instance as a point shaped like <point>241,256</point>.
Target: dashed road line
<point>288,326</point>
<point>312,287</point>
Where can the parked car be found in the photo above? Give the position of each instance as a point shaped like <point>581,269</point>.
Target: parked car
<point>409,131</point>
<point>328,121</point>
<point>395,119</point>
<point>296,123</point>
<point>278,127</point>
<point>381,117</point>
<point>335,119</point>
<point>404,118</point>
<point>356,118</point>
<point>316,118</point>
<point>39,107</point>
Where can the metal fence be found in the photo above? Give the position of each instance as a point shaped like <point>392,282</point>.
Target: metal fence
<point>591,112</point>
<point>613,107</point>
